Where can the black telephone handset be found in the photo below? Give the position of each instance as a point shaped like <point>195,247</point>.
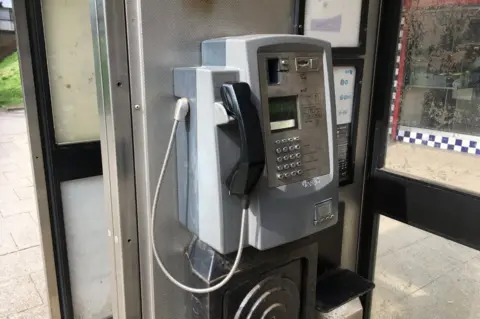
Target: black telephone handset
<point>247,171</point>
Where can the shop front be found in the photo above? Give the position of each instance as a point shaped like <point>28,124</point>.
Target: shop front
<point>436,99</point>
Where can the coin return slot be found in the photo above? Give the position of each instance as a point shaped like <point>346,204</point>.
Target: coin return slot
<point>303,63</point>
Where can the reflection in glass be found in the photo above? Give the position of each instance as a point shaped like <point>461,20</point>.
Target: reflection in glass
<point>442,69</point>
<point>435,120</point>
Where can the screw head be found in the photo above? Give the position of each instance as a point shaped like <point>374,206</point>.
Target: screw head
<point>136,107</point>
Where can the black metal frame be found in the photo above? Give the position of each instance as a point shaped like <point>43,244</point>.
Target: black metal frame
<point>441,210</point>
<point>358,64</point>
<point>61,162</point>
<point>299,28</point>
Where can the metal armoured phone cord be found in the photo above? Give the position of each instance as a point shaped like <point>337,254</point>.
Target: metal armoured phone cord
<point>181,111</point>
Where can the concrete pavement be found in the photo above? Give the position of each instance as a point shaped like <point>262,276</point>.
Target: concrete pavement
<point>22,280</point>
<point>422,276</point>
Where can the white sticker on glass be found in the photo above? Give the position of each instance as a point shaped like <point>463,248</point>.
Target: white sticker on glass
<point>335,21</point>
<point>344,78</point>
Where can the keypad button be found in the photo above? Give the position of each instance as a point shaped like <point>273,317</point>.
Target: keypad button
<point>284,140</point>
<point>285,149</point>
<point>292,165</point>
<point>285,158</point>
<point>278,150</point>
<point>291,148</point>
<point>278,142</point>
<point>294,173</point>
<point>292,156</point>
<point>298,155</point>
<point>298,163</point>
<point>286,166</point>
<point>290,139</point>
<point>296,138</point>
<point>280,176</point>
<point>299,172</point>
<point>279,159</point>
<point>279,168</point>
<point>297,146</point>
<point>287,175</point>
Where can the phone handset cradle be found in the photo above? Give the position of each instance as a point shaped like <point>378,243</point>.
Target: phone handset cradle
<point>244,176</point>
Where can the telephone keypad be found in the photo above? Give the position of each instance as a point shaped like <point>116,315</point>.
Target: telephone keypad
<point>290,149</point>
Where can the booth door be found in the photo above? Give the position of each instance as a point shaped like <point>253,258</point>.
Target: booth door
<point>424,167</point>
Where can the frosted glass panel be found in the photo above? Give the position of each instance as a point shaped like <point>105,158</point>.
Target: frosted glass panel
<point>87,242</point>
<point>68,41</point>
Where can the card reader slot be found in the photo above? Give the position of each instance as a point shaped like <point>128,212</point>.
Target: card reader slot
<point>273,68</point>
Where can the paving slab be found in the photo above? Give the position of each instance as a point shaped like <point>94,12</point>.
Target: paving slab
<point>22,282</point>
<point>431,278</point>
<point>17,295</point>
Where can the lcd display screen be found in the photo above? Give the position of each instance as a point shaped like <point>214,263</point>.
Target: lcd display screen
<point>283,113</point>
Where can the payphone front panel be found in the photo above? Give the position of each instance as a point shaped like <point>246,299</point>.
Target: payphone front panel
<point>292,101</point>
<point>291,85</point>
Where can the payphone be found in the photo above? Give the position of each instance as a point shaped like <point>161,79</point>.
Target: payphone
<point>287,79</point>
<point>256,166</point>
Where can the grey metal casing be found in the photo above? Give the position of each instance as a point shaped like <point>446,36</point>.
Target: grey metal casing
<point>207,150</point>
<point>204,204</point>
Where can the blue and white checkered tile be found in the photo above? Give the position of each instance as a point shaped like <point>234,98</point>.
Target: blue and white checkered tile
<point>442,142</point>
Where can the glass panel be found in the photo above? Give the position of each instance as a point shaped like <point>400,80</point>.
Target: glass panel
<point>435,120</point>
<point>422,276</point>
<point>329,21</point>
<point>68,41</point>
<point>88,250</point>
